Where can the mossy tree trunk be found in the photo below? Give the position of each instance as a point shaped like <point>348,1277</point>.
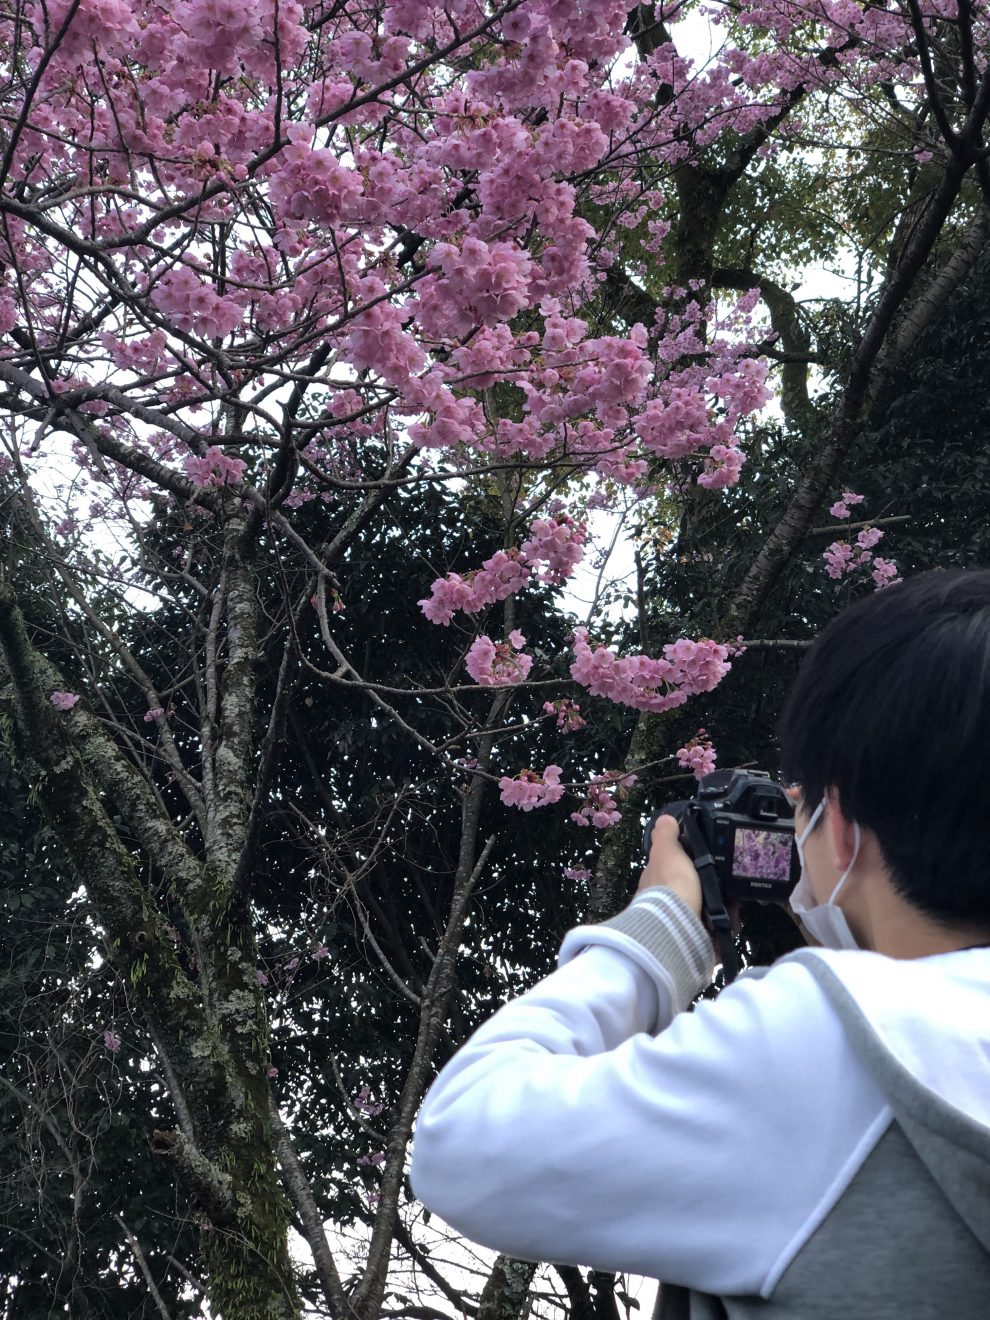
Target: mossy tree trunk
<point>207,1016</point>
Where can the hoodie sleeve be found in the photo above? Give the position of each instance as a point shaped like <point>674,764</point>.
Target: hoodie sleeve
<point>592,1122</point>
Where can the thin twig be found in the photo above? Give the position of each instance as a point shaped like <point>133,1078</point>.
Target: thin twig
<point>837,530</point>
<point>135,1247</point>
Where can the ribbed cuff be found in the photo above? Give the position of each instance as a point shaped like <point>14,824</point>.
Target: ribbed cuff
<point>664,925</point>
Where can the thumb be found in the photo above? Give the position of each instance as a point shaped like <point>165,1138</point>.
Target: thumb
<point>668,864</point>
<point>665,837</point>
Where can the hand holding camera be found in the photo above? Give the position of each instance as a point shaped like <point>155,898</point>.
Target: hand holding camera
<point>737,834</point>
<point>668,864</point>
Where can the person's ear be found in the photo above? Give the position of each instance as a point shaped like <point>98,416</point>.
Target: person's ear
<point>841,832</point>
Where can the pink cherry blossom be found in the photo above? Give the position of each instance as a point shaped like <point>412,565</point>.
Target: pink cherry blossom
<point>698,755</point>
<point>480,284</point>
<point>558,543</point>
<point>567,714</point>
<point>530,789</point>
<point>722,467</point>
<point>580,873</point>
<point>497,664</point>
<point>214,468</point>
<point>869,537</point>
<point>310,184</point>
<point>64,700</point>
<point>193,304</point>
<point>685,669</point>
<point>884,572</point>
<point>111,1040</point>
<point>600,808</point>
<point>110,24</point>
<point>840,559</point>
<point>840,509</point>
<point>501,574</point>
<point>364,1102</point>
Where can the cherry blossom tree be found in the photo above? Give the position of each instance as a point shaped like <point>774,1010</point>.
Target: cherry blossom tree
<point>272,273</point>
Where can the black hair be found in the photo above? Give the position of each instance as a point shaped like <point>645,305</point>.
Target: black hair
<point>891,709</point>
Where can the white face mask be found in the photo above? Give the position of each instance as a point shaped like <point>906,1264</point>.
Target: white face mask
<point>824,921</point>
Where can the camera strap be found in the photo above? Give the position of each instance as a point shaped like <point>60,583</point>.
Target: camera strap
<point>713,909</point>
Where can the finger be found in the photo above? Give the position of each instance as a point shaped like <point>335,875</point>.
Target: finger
<point>669,865</point>
<point>666,835</point>
<point>667,856</point>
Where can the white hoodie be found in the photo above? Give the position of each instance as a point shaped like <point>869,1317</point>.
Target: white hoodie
<point>592,1121</point>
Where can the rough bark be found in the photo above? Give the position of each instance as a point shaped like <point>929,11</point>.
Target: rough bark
<point>920,315</point>
<point>506,1292</point>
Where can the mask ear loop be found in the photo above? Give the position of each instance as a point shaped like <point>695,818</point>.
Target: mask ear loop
<point>802,837</point>
<point>845,874</point>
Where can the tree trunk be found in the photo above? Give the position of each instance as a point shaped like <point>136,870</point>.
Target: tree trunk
<point>506,1293</point>
<point>210,1026</point>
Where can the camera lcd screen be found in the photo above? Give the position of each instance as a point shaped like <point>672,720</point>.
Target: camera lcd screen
<point>762,854</point>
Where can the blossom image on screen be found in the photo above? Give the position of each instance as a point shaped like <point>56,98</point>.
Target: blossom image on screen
<point>763,854</point>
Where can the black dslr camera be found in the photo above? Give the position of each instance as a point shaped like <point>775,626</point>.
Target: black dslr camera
<point>738,829</point>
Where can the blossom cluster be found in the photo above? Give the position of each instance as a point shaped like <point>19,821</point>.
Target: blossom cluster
<point>364,1103</point>
<point>193,304</point>
<point>697,755</point>
<point>844,557</point>
<point>556,542</point>
<point>192,99</point>
<point>531,788</point>
<point>214,468</point>
<point>310,184</point>
<point>567,713</point>
<point>503,573</point>
<point>579,873</point>
<point>684,669</point>
<point>600,807</point>
<point>498,664</point>
<point>481,284</point>
<point>840,509</point>
<point>541,110</point>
